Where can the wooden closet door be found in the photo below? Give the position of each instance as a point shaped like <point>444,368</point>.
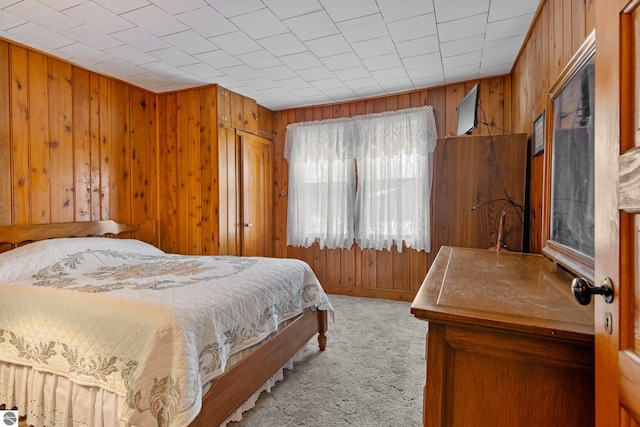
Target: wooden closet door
<point>617,132</point>
<point>257,195</point>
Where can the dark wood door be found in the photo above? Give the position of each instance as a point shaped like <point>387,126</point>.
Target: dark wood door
<point>617,228</point>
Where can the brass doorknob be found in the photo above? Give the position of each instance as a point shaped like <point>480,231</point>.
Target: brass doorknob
<point>582,290</point>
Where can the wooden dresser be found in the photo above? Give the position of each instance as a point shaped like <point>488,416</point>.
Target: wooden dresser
<point>507,344</point>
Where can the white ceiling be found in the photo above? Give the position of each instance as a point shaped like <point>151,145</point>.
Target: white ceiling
<point>282,53</point>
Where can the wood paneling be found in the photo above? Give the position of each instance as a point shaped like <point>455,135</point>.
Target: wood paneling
<point>74,145</point>
<point>559,29</point>
<point>189,177</point>
<point>388,274</point>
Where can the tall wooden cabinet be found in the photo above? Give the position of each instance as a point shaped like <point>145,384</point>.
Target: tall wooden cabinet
<point>215,156</point>
<point>245,169</point>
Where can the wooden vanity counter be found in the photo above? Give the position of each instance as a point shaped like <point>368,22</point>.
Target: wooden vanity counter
<point>507,344</point>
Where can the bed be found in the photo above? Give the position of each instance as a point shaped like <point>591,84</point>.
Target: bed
<point>113,331</point>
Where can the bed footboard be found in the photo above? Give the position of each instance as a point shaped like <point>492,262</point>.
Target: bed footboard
<point>236,385</point>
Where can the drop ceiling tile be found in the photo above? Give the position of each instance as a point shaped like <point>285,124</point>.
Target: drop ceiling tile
<point>260,24</point>
<point>355,73</point>
<point>275,92</point>
<point>508,27</point>
<point>230,8</point>
<point>85,55</point>
<point>374,47</point>
<point>418,46</point>
<point>422,61</point>
<point>42,15</point>
<point>108,23</point>
<point>316,73</point>
<point>174,56</point>
<point>340,94</point>
<point>325,84</point>
<point>300,61</point>
<point>280,72</point>
<point>294,83</point>
<point>123,68</point>
<point>364,83</point>
<point>509,45</point>
<point>58,5</point>
<point>368,27</point>
<point>413,28</point>
<point>91,37</point>
<point>428,72</point>
<point>462,74</point>
<point>9,21</point>
<point>16,38</point>
<point>140,39</point>
<point>235,43</point>
<point>462,28</point>
<point>259,60</point>
<point>340,62</point>
<point>367,92</point>
<point>155,20</point>
<point>288,9</point>
<point>471,60</point>
<point>173,7</point>
<point>496,69</point>
<point>389,74</point>
<point>428,81</point>
<point>341,10</point>
<point>260,83</point>
<point>122,6</point>
<point>311,26</point>
<point>44,37</point>
<point>241,72</point>
<point>207,22</point>
<point>130,54</point>
<point>190,42</point>
<point>304,92</point>
<point>462,46</point>
<point>393,10</point>
<point>218,59</point>
<point>383,62</point>
<point>449,10</point>
<point>400,84</point>
<point>327,46</point>
<point>201,70</point>
<point>162,68</point>
<point>504,9</point>
<point>502,58</point>
<point>284,44</point>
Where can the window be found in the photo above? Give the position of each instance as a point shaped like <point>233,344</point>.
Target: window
<point>394,153</point>
<point>321,184</point>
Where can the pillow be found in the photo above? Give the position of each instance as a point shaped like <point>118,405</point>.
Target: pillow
<point>34,256</point>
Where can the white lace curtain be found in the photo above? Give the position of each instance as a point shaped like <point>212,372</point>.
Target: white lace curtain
<point>322,183</point>
<point>394,153</point>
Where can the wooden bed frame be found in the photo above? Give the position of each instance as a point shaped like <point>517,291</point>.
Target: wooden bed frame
<point>237,384</point>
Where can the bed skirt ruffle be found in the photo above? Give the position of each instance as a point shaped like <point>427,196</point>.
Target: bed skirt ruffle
<point>47,399</point>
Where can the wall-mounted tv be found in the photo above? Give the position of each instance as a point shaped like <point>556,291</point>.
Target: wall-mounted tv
<point>468,112</point>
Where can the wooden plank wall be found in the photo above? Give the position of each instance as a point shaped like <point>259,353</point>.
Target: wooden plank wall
<point>386,274</point>
<point>74,145</point>
<point>559,30</point>
<point>188,181</point>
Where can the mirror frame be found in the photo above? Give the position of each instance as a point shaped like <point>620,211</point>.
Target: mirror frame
<point>577,262</point>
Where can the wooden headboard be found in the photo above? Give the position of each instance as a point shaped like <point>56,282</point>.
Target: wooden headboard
<point>16,234</point>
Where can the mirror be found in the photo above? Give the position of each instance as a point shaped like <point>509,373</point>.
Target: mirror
<point>570,183</point>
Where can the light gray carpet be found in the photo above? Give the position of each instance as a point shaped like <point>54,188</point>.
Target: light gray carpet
<point>371,374</point>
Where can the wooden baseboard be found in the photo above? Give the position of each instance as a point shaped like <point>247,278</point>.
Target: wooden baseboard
<point>391,294</point>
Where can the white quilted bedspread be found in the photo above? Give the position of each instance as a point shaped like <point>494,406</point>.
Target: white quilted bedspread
<point>152,327</point>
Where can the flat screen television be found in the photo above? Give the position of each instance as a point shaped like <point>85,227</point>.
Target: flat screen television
<point>468,112</point>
